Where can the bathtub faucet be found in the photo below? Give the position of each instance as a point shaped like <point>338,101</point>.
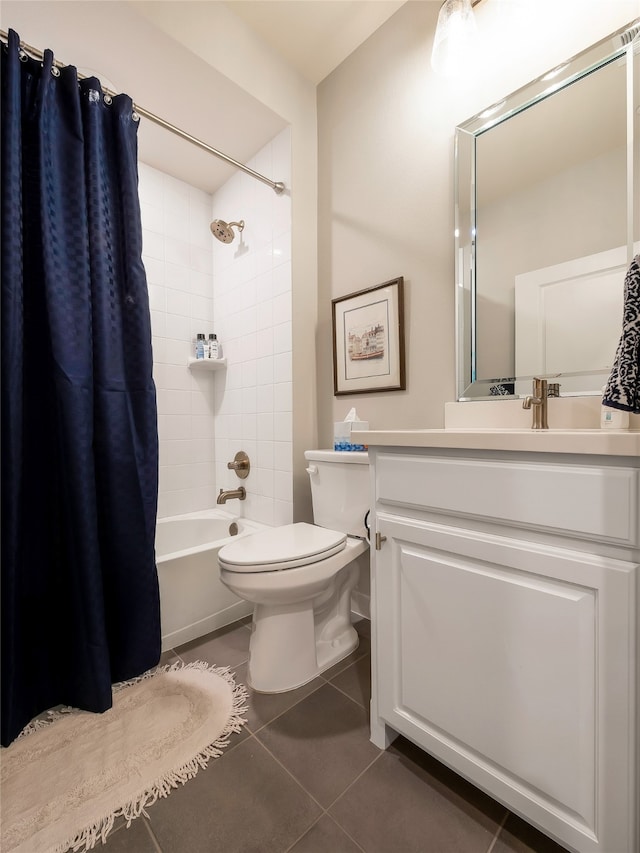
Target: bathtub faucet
<point>223,497</point>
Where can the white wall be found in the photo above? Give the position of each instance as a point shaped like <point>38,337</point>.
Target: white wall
<point>253,321</point>
<point>385,160</point>
<point>242,292</point>
<point>213,33</point>
<point>178,259</point>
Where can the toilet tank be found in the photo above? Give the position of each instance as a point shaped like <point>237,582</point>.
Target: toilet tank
<point>339,489</point>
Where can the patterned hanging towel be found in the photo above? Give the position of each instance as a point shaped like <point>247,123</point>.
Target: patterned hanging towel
<point>622,391</point>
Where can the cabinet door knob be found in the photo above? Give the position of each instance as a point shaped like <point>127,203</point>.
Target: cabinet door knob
<point>379,540</point>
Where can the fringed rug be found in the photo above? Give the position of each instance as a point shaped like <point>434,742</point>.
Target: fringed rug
<point>65,780</point>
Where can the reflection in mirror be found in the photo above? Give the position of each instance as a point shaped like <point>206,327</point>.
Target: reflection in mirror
<point>544,226</point>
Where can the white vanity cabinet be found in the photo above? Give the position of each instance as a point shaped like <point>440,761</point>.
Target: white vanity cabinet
<point>505,598</point>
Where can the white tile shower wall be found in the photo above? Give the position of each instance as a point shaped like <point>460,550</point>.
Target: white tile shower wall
<point>178,258</point>
<point>252,309</point>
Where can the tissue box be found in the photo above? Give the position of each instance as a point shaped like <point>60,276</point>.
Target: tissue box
<point>342,434</point>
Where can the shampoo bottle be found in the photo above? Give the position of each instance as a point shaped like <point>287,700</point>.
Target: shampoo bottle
<point>200,345</point>
<point>213,347</point>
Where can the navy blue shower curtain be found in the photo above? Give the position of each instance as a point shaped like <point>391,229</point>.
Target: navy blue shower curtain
<point>80,601</point>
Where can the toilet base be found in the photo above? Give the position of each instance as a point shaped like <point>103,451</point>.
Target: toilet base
<point>276,665</point>
<point>301,618</point>
<point>293,643</point>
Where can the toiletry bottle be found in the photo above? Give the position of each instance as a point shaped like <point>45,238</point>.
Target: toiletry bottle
<point>613,418</point>
<point>213,346</point>
<point>200,344</point>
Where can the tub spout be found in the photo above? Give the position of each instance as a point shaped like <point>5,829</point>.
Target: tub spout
<point>223,497</point>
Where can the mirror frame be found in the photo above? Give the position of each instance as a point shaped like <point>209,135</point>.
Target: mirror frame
<point>623,42</point>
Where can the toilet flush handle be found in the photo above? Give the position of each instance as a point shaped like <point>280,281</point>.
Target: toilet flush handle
<point>312,469</point>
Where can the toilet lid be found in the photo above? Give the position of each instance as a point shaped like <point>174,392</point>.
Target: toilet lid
<point>281,548</point>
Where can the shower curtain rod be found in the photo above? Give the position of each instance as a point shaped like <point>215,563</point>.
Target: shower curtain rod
<point>277,186</point>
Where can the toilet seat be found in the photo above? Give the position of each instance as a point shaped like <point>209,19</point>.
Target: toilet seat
<point>281,548</point>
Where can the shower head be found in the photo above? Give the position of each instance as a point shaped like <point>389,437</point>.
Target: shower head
<point>223,231</point>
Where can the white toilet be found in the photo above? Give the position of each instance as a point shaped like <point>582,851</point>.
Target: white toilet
<point>300,577</point>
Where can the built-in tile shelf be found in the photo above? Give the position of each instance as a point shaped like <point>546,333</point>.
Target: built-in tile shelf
<point>207,363</point>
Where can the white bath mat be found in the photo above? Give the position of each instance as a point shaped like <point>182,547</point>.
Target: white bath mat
<point>64,781</point>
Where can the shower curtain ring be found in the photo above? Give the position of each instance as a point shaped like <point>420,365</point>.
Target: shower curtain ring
<point>55,71</point>
<point>108,100</point>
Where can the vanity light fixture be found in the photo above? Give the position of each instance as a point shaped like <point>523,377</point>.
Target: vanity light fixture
<point>455,37</point>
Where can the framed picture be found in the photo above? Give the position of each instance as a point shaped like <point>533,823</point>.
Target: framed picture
<point>368,340</point>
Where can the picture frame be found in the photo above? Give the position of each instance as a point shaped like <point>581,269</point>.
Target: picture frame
<point>368,339</point>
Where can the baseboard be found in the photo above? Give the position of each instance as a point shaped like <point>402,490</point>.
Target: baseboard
<point>361,604</point>
<point>206,625</point>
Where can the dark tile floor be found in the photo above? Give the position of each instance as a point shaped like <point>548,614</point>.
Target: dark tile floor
<point>303,777</point>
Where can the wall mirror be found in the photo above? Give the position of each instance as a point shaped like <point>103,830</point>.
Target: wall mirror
<point>547,222</point>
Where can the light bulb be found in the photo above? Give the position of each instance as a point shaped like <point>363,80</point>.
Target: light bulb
<point>454,41</point>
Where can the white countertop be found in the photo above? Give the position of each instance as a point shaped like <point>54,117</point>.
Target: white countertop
<point>603,442</point>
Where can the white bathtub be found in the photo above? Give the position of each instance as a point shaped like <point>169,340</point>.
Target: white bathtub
<point>193,601</point>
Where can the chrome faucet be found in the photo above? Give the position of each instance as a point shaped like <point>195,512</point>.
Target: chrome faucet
<point>538,403</point>
<point>223,497</point>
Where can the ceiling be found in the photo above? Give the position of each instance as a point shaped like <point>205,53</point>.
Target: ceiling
<point>314,36</point>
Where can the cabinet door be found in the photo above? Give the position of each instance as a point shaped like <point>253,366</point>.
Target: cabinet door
<point>511,663</point>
